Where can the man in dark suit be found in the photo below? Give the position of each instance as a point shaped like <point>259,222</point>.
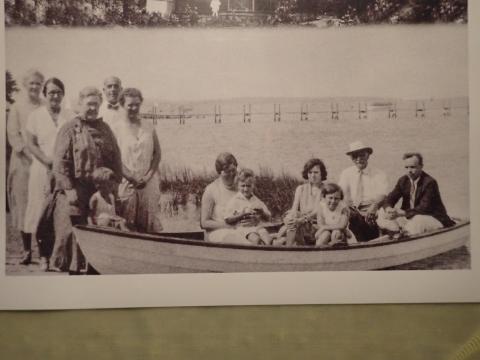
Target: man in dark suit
<point>422,208</point>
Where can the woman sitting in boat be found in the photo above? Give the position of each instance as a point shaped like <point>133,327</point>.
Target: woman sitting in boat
<point>214,203</point>
<point>245,205</point>
<point>300,221</point>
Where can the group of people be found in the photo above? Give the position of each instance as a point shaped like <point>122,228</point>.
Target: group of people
<point>99,165</point>
<point>357,209</point>
<point>96,165</point>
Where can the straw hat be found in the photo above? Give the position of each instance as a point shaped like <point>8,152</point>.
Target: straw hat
<point>357,146</point>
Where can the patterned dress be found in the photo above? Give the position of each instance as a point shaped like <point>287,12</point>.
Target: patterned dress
<point>141,207</point>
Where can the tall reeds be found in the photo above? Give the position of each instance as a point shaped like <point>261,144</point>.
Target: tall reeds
<point>182,187</point>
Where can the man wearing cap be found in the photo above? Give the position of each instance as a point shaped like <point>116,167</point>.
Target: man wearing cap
<point>365,189</point>
<point>422,207</point>
<point>110,111</point>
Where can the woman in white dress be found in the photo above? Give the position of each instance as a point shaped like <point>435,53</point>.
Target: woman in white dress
<point>21,158</point>
<point>41,131</point>
<point>140,149</point>
<point>215,198</point>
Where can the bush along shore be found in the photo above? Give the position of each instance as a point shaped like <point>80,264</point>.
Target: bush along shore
<point>198,13</point>
<point>183,187</point>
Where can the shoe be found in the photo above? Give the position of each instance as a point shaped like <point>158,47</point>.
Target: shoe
<point>55,269</point>
<point>27,258</point>
<point>43,264</point>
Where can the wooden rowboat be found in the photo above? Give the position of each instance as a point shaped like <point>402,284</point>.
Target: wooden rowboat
<point>112,251</point>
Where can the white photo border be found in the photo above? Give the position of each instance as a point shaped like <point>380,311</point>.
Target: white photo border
<point>121,291</point>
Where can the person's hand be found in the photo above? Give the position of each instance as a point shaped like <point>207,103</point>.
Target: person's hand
<point>291,221</point>
<point>250,220</point>
<point>27,153</point>
<point>141,183</point>
<point>72,196</point>
<point>371,214</point>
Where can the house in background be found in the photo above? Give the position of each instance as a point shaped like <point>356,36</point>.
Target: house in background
<point>229,6</point>
<point>165,7</point>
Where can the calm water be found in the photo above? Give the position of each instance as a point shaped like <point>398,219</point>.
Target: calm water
<point>195,67</point>
<point>285,146</point>
<point>192,64</point>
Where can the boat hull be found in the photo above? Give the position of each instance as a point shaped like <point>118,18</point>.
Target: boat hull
<point>116,252</point>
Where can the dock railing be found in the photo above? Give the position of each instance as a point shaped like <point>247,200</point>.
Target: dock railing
<point>309,111</point>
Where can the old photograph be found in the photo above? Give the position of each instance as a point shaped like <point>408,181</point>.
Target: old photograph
<point>196,136</point>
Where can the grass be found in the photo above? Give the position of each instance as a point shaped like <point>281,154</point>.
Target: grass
<point>183,186</point>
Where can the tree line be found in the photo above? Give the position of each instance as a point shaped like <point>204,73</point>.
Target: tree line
<point>133,12</point>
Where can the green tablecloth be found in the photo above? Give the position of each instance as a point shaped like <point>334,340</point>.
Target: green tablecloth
<point>268,332</point>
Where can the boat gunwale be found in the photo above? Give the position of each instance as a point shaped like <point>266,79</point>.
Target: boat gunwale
<point>158,237</point>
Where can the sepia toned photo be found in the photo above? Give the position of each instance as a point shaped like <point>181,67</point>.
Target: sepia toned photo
<point>195,136</point>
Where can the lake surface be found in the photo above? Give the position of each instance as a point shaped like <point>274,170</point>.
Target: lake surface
<point>421,61</point>
<point>293,67</point>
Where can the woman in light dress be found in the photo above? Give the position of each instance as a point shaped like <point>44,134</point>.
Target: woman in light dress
<point>140,149</point>
<point>21,158</point>
<point>300,221</point>
<point>41,131</point>
<point>214,203</point>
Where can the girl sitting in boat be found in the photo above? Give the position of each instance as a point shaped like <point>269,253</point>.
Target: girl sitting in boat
<point>102,203</point>
<point>245,205</point>
<point>332,218</point>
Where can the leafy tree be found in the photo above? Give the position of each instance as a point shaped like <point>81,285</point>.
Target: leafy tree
<point>10,86</point>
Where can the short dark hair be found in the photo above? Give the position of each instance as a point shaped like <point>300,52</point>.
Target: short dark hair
<point>245,174</point>
<point>54,81</point>
<point>312,163</point>
<point>129,92</point>
<point>419,156</point>
<point>331,188</point>
<point>224,160</point>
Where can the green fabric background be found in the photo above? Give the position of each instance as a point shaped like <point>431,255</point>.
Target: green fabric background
<point>258,332</point>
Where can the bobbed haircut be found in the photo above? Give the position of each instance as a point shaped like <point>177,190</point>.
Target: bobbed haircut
<point>419,156</point>
<point>54,81</point>
<point>245,174</point>
<point>311,164</point>
<point>30,73</point>
<point>331,188</point>
<point>224,160</point>
<point>101,175</point>
<point>129,92</point>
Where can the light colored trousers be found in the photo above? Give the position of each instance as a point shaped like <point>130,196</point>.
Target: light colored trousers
<point>418,224</point>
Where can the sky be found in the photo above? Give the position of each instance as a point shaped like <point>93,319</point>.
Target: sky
<point>422,61</point>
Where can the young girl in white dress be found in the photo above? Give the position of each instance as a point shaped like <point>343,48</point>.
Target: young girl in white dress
<point>332,218</point>
<point>102,203</point>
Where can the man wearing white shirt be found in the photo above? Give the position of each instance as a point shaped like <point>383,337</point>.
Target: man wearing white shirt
<point>110,111</point>
<point>365,189</point>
